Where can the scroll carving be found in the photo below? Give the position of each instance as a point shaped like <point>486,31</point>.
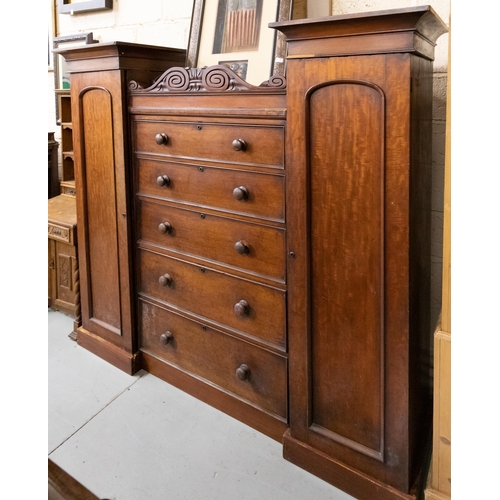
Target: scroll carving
<point>216,78</point>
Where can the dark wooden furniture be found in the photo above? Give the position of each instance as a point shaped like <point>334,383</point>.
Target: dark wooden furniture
<point>53,174</point>
<point>267,249</point>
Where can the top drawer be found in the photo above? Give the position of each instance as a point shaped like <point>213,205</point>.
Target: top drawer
<point>233,143</point>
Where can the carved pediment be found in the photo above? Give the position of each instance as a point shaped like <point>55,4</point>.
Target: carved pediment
<point>216,78</point>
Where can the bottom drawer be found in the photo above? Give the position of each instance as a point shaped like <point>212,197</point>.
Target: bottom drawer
<point>247,371</point>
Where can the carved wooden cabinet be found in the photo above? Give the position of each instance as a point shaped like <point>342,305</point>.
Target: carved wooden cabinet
<point>208,180</point>
<point>63,272</point>
<point>266,249</point>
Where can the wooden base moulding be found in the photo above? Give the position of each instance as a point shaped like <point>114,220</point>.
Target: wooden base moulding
<point>214,396</point>
<point>353,482</point>
<point>117,356</point>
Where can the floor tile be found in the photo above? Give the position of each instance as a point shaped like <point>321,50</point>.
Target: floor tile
<point>80,384</point>
<point>156,442</point>
<point>139,438</point>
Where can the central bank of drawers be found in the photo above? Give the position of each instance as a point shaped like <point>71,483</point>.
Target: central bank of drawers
<point>210,258</point>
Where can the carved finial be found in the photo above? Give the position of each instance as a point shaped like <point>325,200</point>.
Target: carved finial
<point>133,85</point>
<point>276,82</point>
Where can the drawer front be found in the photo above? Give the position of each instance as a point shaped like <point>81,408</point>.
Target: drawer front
<point>61,233</point>
<point>214,237</point>
<point>215,296</point>
<point>242,192</point>
<point>215,357</point>
<point>262,145</point>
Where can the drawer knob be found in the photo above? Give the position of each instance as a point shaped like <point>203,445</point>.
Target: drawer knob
<point>165,280</point>
<point>239,145</point>
<point>243,372</point>
<point>163,180</point>
<point>240,193</point>
<point>165,227</point>
<point>161,138</point>
<point>241,247</point>
<point>242,308</point>
<point>166,337</point>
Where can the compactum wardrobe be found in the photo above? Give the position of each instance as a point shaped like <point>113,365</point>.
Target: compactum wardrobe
<point>267,249</point>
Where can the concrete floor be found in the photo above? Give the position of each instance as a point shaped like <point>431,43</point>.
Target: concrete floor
<point>138,438</point>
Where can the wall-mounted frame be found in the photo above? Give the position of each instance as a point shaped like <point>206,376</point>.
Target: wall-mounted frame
<point>215,23</point>
<point>51,31</point>
<point>82,6</point>
<point>60,76</point>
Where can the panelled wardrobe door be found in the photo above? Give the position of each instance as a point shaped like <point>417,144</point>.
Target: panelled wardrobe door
<point>358,238</point>
<point>99,74</point>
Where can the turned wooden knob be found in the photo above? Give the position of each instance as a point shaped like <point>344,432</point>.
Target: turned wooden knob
<point>240,193</point>
<point>239,145</point>
<point>165,227</point>
<point>166,337</point>
<point>165,280</point>
<point>163,180</point>
<point>241,308</point>
<point>241,247</point>
<point>161,138</point>
<point>243,372</point>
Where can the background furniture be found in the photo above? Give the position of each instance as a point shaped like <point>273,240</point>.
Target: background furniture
<point>68,167</point>
<point>267,250</point>
<point>63,278</point>
<point>63,269</point>
<point>53,175</point>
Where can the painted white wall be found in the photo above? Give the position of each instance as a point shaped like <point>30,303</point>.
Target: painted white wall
<point>154,22</point>
<point>442,8</point>
<point>151,22</point>
<point>318,8</point>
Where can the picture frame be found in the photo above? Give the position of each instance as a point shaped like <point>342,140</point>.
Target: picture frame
<point>214,23</point>
<point>82,6</point>
<point>50,35</point>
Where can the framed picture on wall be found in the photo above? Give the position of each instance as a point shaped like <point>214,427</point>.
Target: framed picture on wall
<point>51,34</point>
<point>235,32</point>
<point>82,6</point>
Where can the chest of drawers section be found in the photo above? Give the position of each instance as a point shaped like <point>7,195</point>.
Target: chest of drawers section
<point>209,222</point>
